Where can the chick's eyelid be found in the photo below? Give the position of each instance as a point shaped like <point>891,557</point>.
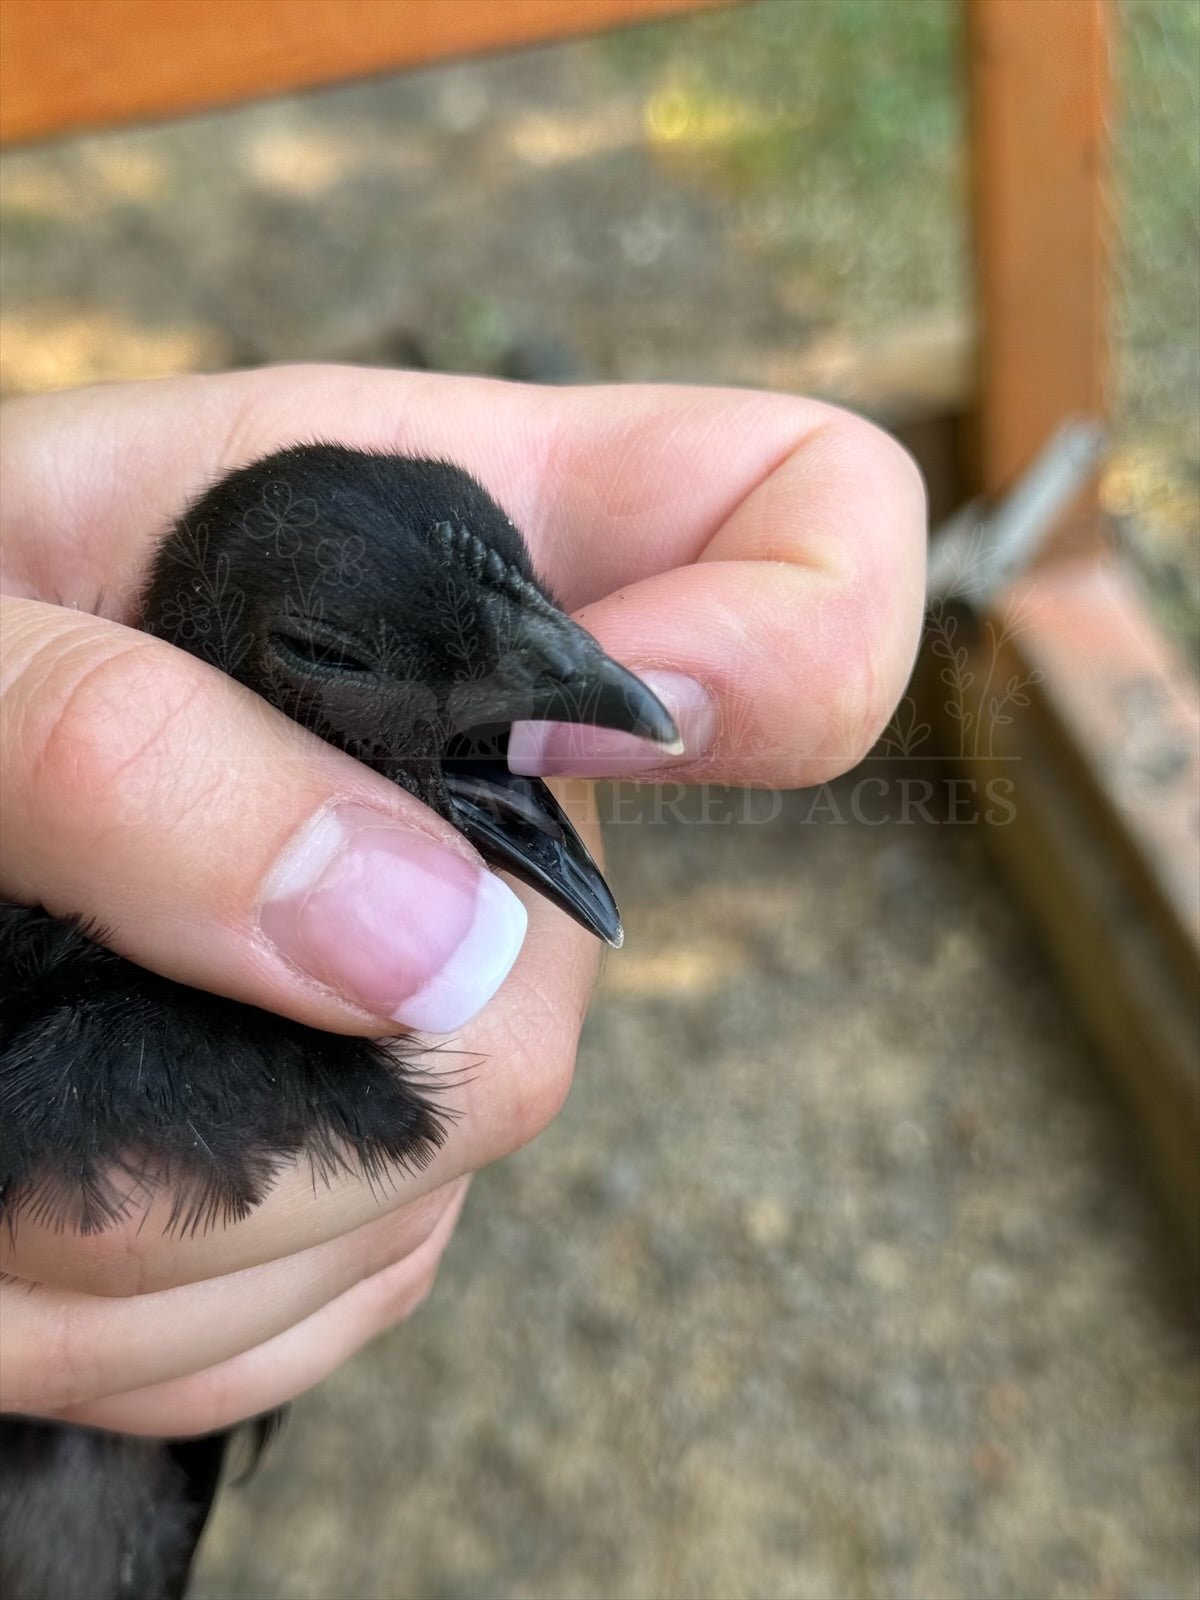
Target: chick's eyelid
<point>319,651</point>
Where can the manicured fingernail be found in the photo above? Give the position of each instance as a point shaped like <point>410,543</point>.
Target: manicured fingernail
<point>392,920</point>
<point>538,749</point>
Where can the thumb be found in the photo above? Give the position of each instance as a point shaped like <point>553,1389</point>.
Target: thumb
<point>214,841</point>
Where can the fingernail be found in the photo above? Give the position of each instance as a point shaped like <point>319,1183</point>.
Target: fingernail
<point>540,749</point>
<point>394,921</point>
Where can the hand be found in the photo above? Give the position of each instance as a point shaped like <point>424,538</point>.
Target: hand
<point>764,553</point>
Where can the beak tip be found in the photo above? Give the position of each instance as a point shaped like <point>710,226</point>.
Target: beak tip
<point>616,939</point>
<point>673,747</point>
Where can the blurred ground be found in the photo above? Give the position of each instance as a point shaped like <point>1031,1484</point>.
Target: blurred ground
<point>839,1276</point>
<point>837,1279</point>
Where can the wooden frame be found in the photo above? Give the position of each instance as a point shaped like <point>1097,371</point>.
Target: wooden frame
<point>1105,763</point>
<point>70,64</point>
<point>1108,871</point>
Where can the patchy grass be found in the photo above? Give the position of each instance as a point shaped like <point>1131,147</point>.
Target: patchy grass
<point>833,128</point>
<point>1157,173</point>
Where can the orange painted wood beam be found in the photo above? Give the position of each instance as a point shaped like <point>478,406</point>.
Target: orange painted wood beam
<point>1101,835</point>
<point>68,64</point>
<point>1121,696</point>
<point>1040,102</point>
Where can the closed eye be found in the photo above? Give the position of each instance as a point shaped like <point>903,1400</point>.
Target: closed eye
<point>316,652</point>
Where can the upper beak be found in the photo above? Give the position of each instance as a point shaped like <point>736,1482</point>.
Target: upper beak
<point>550,670</point>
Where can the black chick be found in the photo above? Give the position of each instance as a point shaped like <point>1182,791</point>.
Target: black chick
<point>389,605</point>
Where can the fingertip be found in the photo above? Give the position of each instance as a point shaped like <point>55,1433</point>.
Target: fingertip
<point>539,749</point>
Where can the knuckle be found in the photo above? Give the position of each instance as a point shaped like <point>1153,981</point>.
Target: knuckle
<point>96,719</point>
<point>855,713</point>
<point>54,1362</point>
<point>101,724</point>
<point>110,1263</point>
<point>75,1372</point>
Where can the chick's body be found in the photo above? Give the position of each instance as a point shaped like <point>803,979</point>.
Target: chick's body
<point>389,605</point>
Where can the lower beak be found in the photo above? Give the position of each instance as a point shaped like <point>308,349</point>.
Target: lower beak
<point>550,670</point>
<point>517,825</point>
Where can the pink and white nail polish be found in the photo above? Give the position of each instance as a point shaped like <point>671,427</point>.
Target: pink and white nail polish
<point>393,920</point>
<point>539,749</point>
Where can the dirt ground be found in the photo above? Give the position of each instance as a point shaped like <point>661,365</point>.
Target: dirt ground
<point>840,1276</point>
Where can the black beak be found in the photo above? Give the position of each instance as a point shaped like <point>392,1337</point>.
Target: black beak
<point>516,824</point>
<point>550,670</point>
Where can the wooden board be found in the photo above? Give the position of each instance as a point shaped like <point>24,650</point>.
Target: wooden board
<point>67,64</point>
<point>1088,797</point>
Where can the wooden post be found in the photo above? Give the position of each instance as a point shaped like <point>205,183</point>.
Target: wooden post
<point>1040,86</point>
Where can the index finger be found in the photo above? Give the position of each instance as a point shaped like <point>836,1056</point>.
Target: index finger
<point>94,476</point>
<point>619,492</point>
